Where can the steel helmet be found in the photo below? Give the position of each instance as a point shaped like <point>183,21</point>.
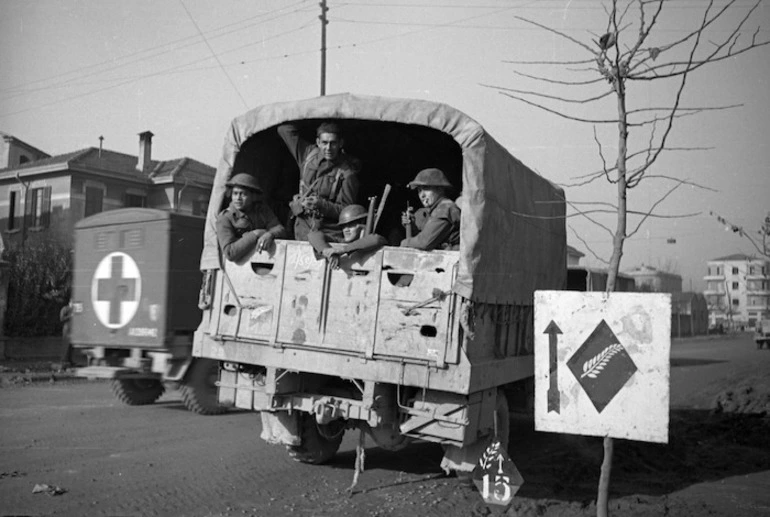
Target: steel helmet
<point>244,180</point>
<point>430,178</point>
<point>352,213</point>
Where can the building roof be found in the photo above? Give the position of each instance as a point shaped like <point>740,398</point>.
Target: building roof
<point>121,164</point>
<point>736,257</point>
<point>22,143</point>
<point>574,252</point>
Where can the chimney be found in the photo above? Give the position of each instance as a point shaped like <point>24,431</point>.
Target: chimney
<point>145,152</point>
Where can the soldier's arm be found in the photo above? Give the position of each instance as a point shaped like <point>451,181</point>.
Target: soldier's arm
<point>366,243</point>
<point>435,231</point>
<point>234,248</point>
<point>297,145</point>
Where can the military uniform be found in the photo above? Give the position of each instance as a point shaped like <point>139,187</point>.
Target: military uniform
<point>234,229</point>
<point>335,183</point>
<point>438,226</point>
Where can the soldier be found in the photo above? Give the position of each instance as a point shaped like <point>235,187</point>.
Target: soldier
<point>248,223</point>
<point>353,222</point>
<point>328,179</point>
<point>438,222</point>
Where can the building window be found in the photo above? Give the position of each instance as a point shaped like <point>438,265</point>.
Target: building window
<point>94,200</point>
<point>13,206</point>
<point>37,208</point>
<point>735,270</point>
<point>23,160</point>
<point>135,200</point>
<point>735,286</point>
<point>751,270</point>
<point>736,303</point>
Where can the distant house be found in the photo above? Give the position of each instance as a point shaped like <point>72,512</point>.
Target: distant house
<point>584,278</point>
<point>648,278</point>
<point>738,290</point>
<point>689,314</point>
<point>43,196</point>
<point>14,152</point>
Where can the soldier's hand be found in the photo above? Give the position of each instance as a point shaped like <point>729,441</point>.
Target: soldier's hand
<point>406,218</point>
<point>296,205</point>
<point>310,202</point>
<point>265,241</point>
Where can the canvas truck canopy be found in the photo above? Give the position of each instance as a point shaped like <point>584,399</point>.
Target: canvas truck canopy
<point>513,237</point>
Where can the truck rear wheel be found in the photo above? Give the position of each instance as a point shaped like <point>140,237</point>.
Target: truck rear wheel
<point>319,442</point>
<point>137,392</point>
<point>199,389</point>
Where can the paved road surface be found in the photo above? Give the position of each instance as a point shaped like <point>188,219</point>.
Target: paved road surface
<point>163,460</point>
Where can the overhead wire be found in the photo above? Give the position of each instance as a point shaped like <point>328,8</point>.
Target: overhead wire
<point>214,54</point>
<point>155,52</point>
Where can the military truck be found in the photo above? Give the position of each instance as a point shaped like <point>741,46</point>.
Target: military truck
<point>135,305</point>
<point>400,343</point>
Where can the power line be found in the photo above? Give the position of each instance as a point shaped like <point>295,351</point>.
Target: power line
<point>214,54</point>
<point>167,71</point>
<point>156,50</point>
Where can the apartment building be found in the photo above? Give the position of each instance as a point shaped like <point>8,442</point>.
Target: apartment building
<point>738,290</point>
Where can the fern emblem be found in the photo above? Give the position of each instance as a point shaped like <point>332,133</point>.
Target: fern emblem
<point>594,366</point>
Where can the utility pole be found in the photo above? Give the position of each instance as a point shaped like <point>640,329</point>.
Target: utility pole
<point>324,23</point>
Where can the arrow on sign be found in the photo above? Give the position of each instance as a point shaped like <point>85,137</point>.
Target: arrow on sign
<point>553,332</point>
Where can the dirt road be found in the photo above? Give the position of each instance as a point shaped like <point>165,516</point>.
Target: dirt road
<point>163,460</point>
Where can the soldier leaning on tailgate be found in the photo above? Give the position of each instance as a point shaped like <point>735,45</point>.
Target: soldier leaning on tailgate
<point>438,222</point>
<point>248,223</point>
<point>328,179</point>
<point>353,222</point>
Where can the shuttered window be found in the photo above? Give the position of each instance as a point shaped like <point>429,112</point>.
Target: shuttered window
<point>37,208</point>
<point>94,200</point>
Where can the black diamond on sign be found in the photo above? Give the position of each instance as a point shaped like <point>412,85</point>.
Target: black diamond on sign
<point>602,366</point>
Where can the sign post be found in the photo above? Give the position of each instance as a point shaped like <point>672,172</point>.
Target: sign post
<point>604,368</point>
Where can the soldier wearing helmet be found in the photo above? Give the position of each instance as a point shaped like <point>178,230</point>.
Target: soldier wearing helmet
<point>328,179</point>
<point>352,220</point>
<point>437,224</point>
<point>247,223</point>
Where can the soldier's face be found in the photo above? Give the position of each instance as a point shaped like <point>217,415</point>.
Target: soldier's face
<point>352,232</point>
<point>429,195</point>
<point>329,144</point>
<point>243,198</point>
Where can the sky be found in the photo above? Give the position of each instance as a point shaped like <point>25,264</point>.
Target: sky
<point>74,70</point>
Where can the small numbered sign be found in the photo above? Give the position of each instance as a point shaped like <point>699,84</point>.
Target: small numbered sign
<point>495,475</point>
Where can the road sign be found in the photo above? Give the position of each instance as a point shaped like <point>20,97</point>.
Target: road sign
<point>602,364</point>
<point>116,289</point>
<point>495,476</point>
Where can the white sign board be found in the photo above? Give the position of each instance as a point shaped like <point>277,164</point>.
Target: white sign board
<point>602,364</point>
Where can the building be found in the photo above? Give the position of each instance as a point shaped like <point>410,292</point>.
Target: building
<point>650,279</point>
<point>738,290</point>
<point>14,152</point>
<point>43,196</point>
<point>689,314</point>
<point>584,278</point>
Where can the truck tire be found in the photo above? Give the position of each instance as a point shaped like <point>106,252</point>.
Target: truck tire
<point>137,392</point>
<point>319,442</point>
<point>199,389</point>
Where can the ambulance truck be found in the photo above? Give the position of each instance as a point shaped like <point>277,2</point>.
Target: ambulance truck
<point>135,305</point>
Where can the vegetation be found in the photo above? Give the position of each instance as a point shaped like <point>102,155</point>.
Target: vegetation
<point>39,286</point>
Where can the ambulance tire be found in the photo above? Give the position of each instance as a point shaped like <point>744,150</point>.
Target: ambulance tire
<point>319,442</point>
<point>137,392</point>
<point>199,389</point>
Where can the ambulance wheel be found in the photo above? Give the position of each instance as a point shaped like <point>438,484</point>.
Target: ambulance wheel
<point>199,389</point>
<point>319,442</point>
<point>137,392</point>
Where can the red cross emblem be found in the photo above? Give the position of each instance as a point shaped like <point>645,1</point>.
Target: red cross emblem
<point>116,290</point>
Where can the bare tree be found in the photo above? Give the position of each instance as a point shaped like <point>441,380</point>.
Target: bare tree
<point>630,49</point>
<point>624,53</point>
